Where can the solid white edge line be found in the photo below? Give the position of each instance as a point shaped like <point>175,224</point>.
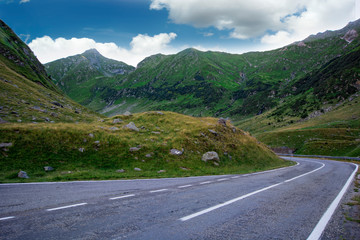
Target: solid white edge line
<point>320,226</point>
<point>6,218</point>
<point>120,197</point>
<point>226,203</point>
<point>160,190</point>
<point>69,206</point>
<point>185,186</point>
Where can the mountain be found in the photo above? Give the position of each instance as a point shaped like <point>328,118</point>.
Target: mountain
<point>83,75</point>
<point>221,84</point>
<point>43,129</point>
<point>27,92</point>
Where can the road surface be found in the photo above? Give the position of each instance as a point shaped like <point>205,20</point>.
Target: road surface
<point>287,203</point>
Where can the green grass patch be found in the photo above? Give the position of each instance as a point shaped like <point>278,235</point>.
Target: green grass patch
<point>94,151</point>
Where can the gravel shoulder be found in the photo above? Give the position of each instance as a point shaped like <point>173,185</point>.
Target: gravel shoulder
<point>343,224</point>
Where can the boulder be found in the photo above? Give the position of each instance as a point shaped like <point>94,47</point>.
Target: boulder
<point>4,145</point>
<point>210,156</point>
<point>81,149</point>
<point>91,135</point>
<point>213,132</point>
<point>48,168</point>
<point>127,113</point>
<point>149,155</point>
<point>132,127</point>
<point>161,171</point>
<point>117,120</point>
<point>137,169</point>
<point>222,122</point>
<point>113,128</point>
<point>134,149</point>
<point>120,170</point>
<point>176,152</point>
<point>22,174</point>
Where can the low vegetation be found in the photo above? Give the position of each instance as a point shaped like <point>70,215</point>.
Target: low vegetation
<point>107,150</point>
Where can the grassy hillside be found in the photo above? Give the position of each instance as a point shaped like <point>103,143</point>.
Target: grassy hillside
<point>27,94</point>
<point>84,76</point>
<point>96,150</point>
<point>227,85</point>
<point>334,133</point>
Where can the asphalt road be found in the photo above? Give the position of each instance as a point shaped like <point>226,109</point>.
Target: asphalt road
<point>287,203</point>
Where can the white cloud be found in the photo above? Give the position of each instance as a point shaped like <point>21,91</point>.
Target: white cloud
<point>24,1</point>
<point>141,46</point>
<point>277,22</point>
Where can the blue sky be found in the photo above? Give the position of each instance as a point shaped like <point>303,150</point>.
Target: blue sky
<point>129,30</point>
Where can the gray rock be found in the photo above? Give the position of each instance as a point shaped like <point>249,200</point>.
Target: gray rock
<point>120,170</point>
<point>113,128</point>
<point>160,113</point>
<point>97,142</point>
<point>127,113</point>
<point>161,171</point>
<point>210,156</point>
<point>57,104</point>
<point>134,149</point>
<point>222,122</point>
<point>48,168</point>
<point>117,120</point>
<point>149,155</point>
<point>137,169</point>
<point>132,127</point>
<point>155,132</point>
<point>81,149</point>
<point>4,145</point>
<point>91,135</point>
<point>176,152</point>
<point>184,168</point>
<point>22,174</point>
<point>213,132</point>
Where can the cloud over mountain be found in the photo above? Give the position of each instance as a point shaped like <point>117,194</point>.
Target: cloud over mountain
<point>141,46</point>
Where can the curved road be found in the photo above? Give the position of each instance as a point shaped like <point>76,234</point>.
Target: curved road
<point>287,203</point>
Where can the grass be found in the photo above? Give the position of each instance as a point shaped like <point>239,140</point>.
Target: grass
<point>105,151</point>
<point>335,133</point>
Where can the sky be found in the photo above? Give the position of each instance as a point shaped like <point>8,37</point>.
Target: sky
<point>130,30</point>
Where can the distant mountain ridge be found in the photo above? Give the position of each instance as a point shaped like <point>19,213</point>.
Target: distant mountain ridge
<point>80,75</point>
<point>223,84</point>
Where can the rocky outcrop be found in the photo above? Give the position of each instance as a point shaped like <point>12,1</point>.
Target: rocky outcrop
<point>210,156</point>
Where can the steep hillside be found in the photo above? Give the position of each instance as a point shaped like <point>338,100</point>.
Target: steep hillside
<point>18,57</point>
<point>27,94</point>
<point>230,85</point>
<point>83,76</point>
<point>321,117</point>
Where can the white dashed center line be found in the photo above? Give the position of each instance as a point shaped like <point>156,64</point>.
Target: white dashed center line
<point>120,197</point>
<point>160,190</point>
<point>222,179</point>
<point>6,218</point>
<point>207,182</point>
<point>185,186</point>
<point>69,206</point>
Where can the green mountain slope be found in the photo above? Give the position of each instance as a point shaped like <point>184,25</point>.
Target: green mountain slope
<point>83,76</point>
<point>41,127</point>
<point>320,118</point>
<point>220,84</point>
<point>27,94</point>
